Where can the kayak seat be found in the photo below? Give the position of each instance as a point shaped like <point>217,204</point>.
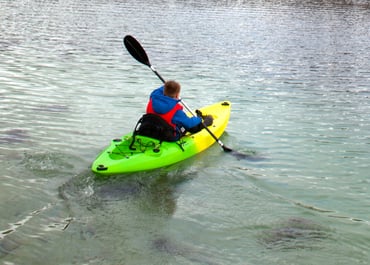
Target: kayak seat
<point>153,126</point>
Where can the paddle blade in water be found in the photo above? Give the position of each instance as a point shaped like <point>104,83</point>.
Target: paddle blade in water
<point>136,50</point>
<point>237,154</point>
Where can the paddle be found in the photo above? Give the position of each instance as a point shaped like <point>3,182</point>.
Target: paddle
<point>138,52</point>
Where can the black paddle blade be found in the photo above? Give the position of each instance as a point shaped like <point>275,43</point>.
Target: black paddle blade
<point>136,50</point>
<point>227,149</point>
<point>237,154</point>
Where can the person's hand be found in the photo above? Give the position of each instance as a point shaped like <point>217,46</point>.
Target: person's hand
<point>199,113</point>
<point>208,120</point>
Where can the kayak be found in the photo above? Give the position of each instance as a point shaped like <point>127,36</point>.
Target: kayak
<point>123,156</point>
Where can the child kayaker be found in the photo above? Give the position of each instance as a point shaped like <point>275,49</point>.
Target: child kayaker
<point>165,102</point>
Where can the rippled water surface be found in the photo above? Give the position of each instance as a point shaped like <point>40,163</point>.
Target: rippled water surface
<point>298,76</point>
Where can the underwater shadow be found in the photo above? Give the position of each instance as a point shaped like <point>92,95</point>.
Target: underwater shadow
<point>156,190</point>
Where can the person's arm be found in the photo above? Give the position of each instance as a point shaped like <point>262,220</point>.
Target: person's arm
<point>207,121</point>
<point>191,124</point>
<point>181,119</point>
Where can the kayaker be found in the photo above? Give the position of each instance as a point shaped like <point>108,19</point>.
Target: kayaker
<point>165,102</point>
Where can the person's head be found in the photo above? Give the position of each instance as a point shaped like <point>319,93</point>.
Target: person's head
<point>172,89</point>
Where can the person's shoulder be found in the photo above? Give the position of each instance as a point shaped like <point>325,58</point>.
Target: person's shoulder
<point>157,91</point>
<point>161,89</point>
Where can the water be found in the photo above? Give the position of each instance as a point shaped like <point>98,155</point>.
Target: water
<point>298,77</point>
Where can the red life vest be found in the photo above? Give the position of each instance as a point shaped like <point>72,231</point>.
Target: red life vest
<point>166,116</point>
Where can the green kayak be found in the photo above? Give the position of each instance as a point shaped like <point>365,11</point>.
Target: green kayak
<point>147,153</point>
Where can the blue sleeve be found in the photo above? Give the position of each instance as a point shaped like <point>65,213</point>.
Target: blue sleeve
<point>181,119</point>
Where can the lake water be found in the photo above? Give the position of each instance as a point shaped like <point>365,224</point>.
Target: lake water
<point>298,75</point>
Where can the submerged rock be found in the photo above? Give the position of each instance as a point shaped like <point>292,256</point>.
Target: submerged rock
<point>294,233</point>
<point>164,245</point>
<point>192,254</point>
<point>13,136</point>
<point>7,245</point>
